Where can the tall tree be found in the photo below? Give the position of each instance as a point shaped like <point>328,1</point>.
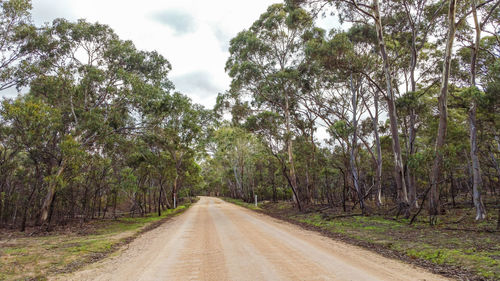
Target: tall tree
<point>443,115</point>
<point>364,11</point>
<point>263,63</point>
<point>474,92</point>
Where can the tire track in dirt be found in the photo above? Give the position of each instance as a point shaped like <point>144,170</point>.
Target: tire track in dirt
<point>202,258</point>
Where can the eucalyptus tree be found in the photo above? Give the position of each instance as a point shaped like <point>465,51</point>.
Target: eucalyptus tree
<point>482,13</point>
<point>99,82</point>
<point>443,114</point>
<point>264,65</point>
<point>365,12</point>
<point>235,148</point>
<point>35,129</point>
<point>480,23</point>
<point>270,129</point>
<point>336,86</point>
<point>412,25</point>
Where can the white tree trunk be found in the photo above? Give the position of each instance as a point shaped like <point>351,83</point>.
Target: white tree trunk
<point>476,168</point>
<point>443,115</point>
<point>391,105</point>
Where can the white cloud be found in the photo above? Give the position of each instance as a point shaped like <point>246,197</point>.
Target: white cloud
<point>180,21</point>
<point>47,10</point>
<point>11,93</point>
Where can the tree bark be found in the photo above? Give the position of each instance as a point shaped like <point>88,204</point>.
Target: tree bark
<point>412,189</point>
<point>174,192</point>
<point>443,116</point>
<point>391,105</point>
<point>354,142</point>
<point>293,178</point>
<point>476,168</point>
<point>379,152</point>
<point>47,203</point>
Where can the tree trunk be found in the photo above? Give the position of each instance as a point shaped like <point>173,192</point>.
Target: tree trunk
<point>344,191</point>
<point>47,203</point>
<point>412,189</point>
<point>26,208</point>
<point>379,152</point>
<point>115,199</point>
<point>239,189</point>
<point>293,178</point>
<point>443,116</point>
<point>354,142</point>
<point>391,105</point>
<point>273,182</point>
<point>476,169</point>
<point>159,200</point>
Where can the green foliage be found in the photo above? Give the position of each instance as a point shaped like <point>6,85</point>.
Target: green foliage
<point>18,34</point>
<point>97,128</point>
<point>472,94</point>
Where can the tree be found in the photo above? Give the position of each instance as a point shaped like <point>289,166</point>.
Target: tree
<point>264,64</point>
<point>473,96</point>
<point>32,122</point>
<point>443,115</point>
<point>364,11</point>
<point>86,117</point>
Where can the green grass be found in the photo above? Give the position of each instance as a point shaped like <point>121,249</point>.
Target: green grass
<point>30,258</point>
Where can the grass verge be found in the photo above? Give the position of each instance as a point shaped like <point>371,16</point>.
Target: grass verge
<point>465,251</point>
<point>36,257</point>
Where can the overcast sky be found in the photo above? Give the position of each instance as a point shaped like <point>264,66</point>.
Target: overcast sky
<point>192,34</point>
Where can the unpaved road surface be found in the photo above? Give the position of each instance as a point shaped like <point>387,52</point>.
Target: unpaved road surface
<point>215,240</point>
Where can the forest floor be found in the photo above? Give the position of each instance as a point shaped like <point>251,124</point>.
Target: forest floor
<point>34,255</point>
<point>457,247</point>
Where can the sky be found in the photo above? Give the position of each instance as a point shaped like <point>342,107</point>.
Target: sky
<point>193,35</point>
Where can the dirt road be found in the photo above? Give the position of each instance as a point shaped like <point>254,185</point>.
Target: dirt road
<point>215,240</point>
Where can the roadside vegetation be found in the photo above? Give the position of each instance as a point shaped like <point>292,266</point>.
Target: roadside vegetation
<point>35,256</point>
<point>97,129</point>
<point>459,249</point>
